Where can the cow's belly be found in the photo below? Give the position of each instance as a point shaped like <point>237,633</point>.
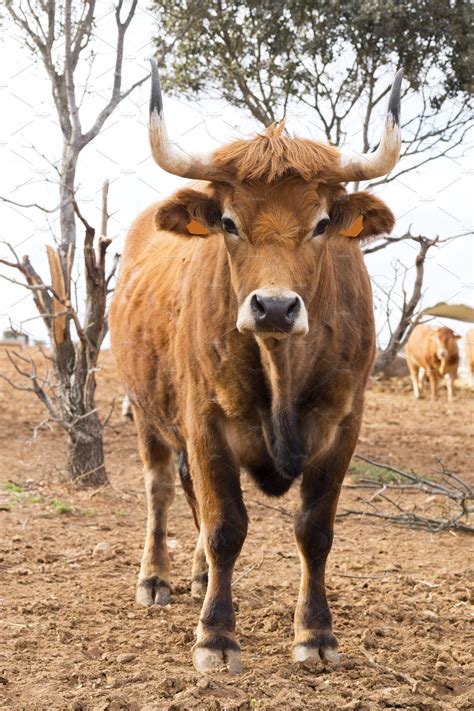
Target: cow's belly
<point>148,377</point>
<point>157,402</point>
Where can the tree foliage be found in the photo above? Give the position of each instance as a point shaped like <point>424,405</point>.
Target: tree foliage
<point>336,57</point>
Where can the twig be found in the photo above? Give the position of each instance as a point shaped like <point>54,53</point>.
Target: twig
<point>247,571</point>
<point>112,408</point>
<point>39,426</point>
<point>361,577</point>
<point>281,510</point>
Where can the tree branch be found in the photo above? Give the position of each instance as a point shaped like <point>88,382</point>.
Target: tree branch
<point>31,204</point>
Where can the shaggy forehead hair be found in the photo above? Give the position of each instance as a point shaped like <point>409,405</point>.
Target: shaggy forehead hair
<point>273,154</point>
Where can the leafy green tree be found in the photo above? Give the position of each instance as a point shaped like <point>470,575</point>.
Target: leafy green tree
<point>337,57</point>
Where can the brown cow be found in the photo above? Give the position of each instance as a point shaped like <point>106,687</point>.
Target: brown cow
<point>469,351</point>
<point>434,351</point>
<point>248,346</point>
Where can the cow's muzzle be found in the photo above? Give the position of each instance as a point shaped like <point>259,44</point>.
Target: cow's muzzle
<point>273,312</point>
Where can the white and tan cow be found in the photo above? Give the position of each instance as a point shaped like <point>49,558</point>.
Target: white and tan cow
<point>433,352</point>
<point>469,351</point>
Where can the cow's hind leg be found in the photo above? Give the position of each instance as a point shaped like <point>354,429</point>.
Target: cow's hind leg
<point>199,574</point>
<point>314,525</point>
<point>153,585</point>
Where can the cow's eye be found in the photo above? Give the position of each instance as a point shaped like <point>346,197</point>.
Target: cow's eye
<point>321,226</point>
<point>229,226</point>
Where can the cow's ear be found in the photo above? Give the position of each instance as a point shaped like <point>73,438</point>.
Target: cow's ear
<point>190,212</point>
<point>361,215</point>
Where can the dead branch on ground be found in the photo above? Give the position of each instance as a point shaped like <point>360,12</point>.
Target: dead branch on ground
<point>450,498</point>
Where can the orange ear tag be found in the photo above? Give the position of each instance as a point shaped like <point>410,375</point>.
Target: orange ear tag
<point>355,229</point>
<point>197,228</point>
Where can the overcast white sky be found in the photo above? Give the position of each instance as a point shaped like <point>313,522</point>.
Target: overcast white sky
<point>435,199</point>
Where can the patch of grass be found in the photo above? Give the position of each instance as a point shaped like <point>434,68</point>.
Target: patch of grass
<point>20,495</point>
<point>35,499</point>
<point>61,507</point>
<point>13,488</point>
<point>88,513</point>
<point>362,470</point>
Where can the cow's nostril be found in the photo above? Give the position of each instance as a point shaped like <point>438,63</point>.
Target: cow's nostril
<point>258,306</point>
<point>293,309</point>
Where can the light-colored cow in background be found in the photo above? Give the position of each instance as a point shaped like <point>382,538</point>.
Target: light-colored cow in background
<point>469,351</point>
<point>436,352</point>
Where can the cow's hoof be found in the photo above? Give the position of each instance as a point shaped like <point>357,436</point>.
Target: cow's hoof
<point>199,586</point>
<point>153,591</point>
<point>322,647</point>
<point>219,654</point>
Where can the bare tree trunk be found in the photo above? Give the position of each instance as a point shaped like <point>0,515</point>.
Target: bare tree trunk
<point>86,453</point>
<point>384,358</point>
<point>408,318</point>
<point>410,312</point>
<point>58,33</point>
<point>67,216</point>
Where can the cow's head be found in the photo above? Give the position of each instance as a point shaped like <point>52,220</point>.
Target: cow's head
<point>281,206</point>
<point>445,342</point>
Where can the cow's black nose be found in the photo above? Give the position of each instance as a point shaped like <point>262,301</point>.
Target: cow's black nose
<point>276,314</point>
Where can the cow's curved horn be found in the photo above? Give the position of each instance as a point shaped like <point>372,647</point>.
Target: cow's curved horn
<point>366,166</point>
<point>167,153</point>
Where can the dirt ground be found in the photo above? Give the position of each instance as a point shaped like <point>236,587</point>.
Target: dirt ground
<point>73,637</point>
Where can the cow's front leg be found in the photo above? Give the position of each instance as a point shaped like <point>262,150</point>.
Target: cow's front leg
<point>433,378</point>
<point>313,620</point>
<point>421,381</point>
<point>450,385</point>
<point>223,529</point>
<point>314,530</point>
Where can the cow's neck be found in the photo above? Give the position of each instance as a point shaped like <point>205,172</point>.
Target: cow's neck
<point>281,425</point>
<point>288,362</point>
<point>276,362</point>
